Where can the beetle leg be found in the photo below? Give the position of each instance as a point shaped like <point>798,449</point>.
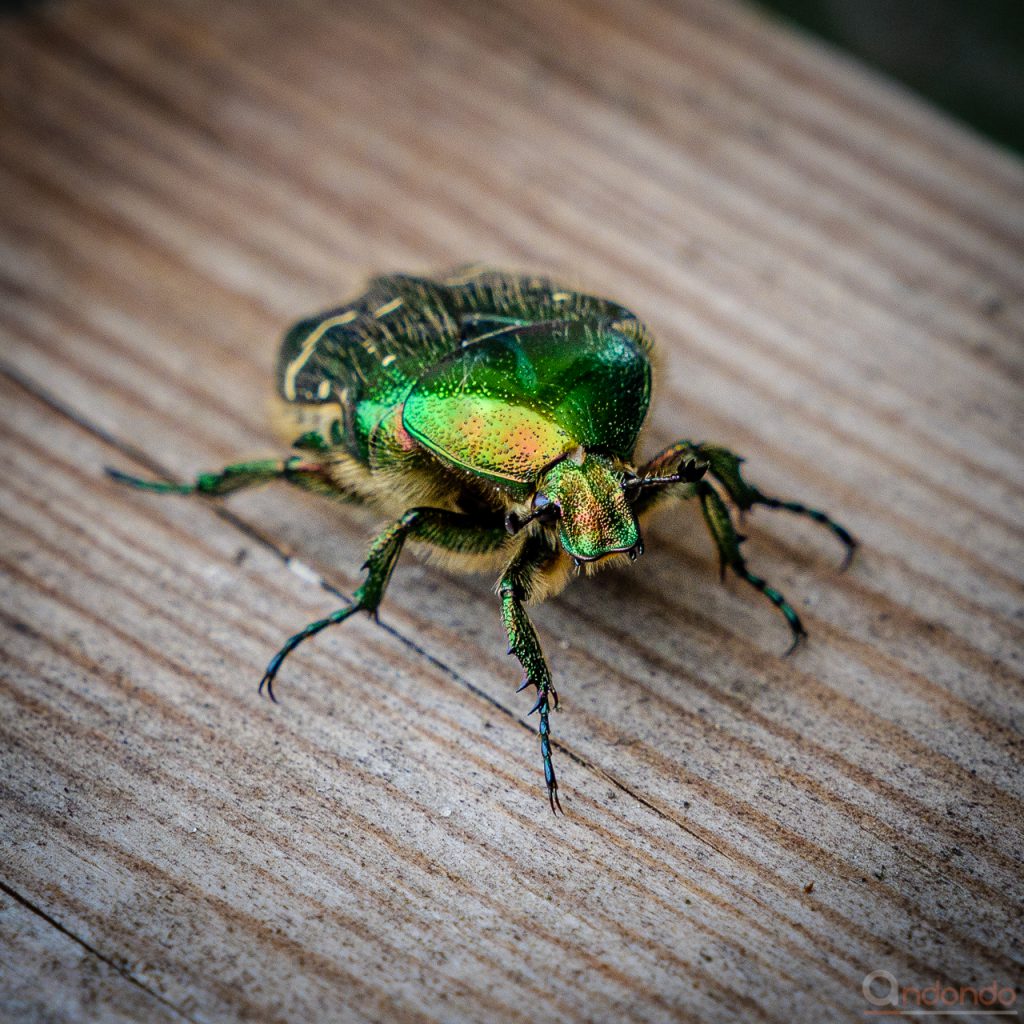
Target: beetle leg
<point>232,478</point>
<point>724,466</point>
<point>818,516</point>
<point>727,540</point>
<point>523,643</point>
<point>453,531</point>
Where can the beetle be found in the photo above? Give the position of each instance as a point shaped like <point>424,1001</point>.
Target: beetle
<point>494,418</point>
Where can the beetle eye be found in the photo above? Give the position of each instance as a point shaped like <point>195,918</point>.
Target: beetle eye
<point>544,509</point>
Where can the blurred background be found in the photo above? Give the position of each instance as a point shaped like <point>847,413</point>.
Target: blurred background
<point>966,57</point>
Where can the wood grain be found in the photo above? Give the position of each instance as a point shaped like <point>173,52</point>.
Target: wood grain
<point>835,275</point>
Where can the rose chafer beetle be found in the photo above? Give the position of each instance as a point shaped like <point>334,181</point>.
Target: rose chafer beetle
<point>494,418</point>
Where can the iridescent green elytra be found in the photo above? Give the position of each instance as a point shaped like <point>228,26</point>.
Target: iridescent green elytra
<point>494,419</point>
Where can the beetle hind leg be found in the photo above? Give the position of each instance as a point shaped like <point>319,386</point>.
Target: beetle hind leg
<point>727,540</point>
<point>235,477</point>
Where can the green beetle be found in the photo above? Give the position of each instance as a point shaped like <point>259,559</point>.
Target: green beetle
<point>494,418</point>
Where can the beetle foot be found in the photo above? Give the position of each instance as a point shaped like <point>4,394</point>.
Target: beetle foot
<point>851,549</point>
<point>293,641</point>
<point>556,804</point>
<point>799,638</point>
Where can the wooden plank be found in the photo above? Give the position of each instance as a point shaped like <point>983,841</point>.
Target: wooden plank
<point>47,974</point>
<point>833,275</point>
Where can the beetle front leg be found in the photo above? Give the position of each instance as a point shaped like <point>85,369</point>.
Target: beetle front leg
<point>679,462</point>
<point>524,644</point>
<point>727,540</point>
<point>658,479</point>
<point>451,531</point>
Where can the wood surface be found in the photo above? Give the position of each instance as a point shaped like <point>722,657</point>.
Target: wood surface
<point>834,275</point>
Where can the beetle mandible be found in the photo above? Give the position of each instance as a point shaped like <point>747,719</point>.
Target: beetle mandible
<point>494,418</point>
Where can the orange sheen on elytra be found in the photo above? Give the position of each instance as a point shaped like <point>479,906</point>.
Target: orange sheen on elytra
<point>510,404</point>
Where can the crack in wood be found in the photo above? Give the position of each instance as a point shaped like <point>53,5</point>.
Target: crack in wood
<point>93,951</point>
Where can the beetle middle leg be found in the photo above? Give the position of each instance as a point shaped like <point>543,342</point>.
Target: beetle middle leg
<point>514,588</point>
<point>451,531</point>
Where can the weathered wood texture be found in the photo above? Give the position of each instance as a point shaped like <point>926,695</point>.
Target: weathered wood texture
<point>834,273</point>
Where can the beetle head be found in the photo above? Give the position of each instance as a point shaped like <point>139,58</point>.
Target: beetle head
<point>584,493</point>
